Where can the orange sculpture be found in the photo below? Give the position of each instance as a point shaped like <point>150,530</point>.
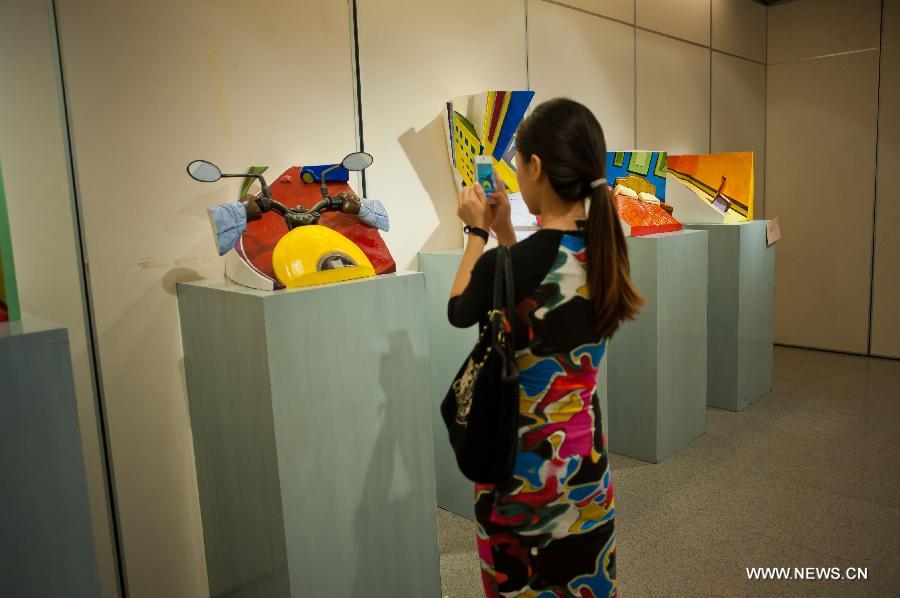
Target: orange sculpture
<point>640,218</point>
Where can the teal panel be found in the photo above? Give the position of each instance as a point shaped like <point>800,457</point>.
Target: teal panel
<point>724,302</point>
<point>682,339</point>
<point>449,348</point>
<point>756,315</point>
<point>351,392</point>
<point>741,296</point>
<point>657,363</point>
<point>350,449</point>
<point>633,366</point>
<point>46,544</point>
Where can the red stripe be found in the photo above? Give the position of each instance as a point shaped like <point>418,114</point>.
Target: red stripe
<point>495,115</point>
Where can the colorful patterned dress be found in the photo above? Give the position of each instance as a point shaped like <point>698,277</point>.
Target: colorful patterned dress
<point>549,530</point>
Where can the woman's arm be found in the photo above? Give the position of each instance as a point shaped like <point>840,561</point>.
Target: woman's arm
<point>474,211</point>
<point>474,207</point>
<point>474,249</point>
<point>471,295</point>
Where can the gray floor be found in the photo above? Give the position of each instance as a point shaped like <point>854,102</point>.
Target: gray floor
<point>807,476</point>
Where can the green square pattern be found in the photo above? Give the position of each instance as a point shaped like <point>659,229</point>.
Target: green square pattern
<point>661,169</point>
<point>640,162</point>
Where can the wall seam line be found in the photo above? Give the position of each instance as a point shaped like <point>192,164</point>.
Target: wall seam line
<point>836,351</point>
<point>824,56</point>
<point>589,12</point>
<point>354,13</point>
<point>648,29</point>
<point>765,114</point>
<point>90,317</point>
<point>674,37</point>
<point>875,186</point>
<point>738,56</point>
<point>527,50</point>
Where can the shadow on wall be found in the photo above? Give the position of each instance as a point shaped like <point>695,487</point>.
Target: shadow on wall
<point>426,150</point>
<point>171,278</point>
<point>149,341</point>
<point>388,523</point>
<point>169,283</point>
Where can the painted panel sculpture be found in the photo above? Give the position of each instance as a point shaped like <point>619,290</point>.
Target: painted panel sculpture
<point>9,302</point>
<point>485,125</point>
<point>713,188</point>
<point>295,246</point>
<point>639,187</point>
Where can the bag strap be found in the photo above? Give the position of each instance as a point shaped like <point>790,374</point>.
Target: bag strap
<point>510,295</point>
<point>497,303</point>
<point>504,298</point>
<point>499,276</point>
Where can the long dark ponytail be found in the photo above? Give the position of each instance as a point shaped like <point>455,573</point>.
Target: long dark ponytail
<point>570,143</point>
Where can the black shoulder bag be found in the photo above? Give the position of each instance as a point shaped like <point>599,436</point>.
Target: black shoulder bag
<point>481,409</point>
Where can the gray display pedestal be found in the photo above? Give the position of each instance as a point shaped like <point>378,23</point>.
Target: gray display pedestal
<point>741,296</point>
<point>46,542</point>
<point>449,348</point>
<point>312,437</point>
<point>657,363</point>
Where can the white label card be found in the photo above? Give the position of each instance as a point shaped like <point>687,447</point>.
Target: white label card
<point>773,232</point>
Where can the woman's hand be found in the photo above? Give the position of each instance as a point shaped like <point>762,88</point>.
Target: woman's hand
<point>473,207</point>
<point>474,211</point>
<point>501,213</point>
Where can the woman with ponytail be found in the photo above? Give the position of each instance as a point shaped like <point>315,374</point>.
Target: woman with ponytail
<point>548,530</point>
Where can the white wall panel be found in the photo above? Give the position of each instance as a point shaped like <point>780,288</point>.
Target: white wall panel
<point>739,115</point>
<point>891,24</point>
<point>622,10</point>
<point>886,285</point>
<point>407,76</point>
<point>152,86</point>
<point>809,28</point>
<point>821,120</point>
<point>34,159</point>
<point>604,52</point>
<point>739,27</point>
<point>672,95</point>
<point>685,19</point>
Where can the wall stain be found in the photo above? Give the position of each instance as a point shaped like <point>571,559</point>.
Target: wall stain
<point>152,264</point>
<point>220,100</point>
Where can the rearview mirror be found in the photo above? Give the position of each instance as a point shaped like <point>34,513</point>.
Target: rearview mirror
<point>357,161</point>
<point>203,171</point>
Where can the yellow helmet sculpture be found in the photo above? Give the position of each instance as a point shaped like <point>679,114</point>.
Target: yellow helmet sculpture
<point>314,254</point>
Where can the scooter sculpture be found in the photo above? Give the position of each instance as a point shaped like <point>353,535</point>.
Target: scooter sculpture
<point>309,254</point>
